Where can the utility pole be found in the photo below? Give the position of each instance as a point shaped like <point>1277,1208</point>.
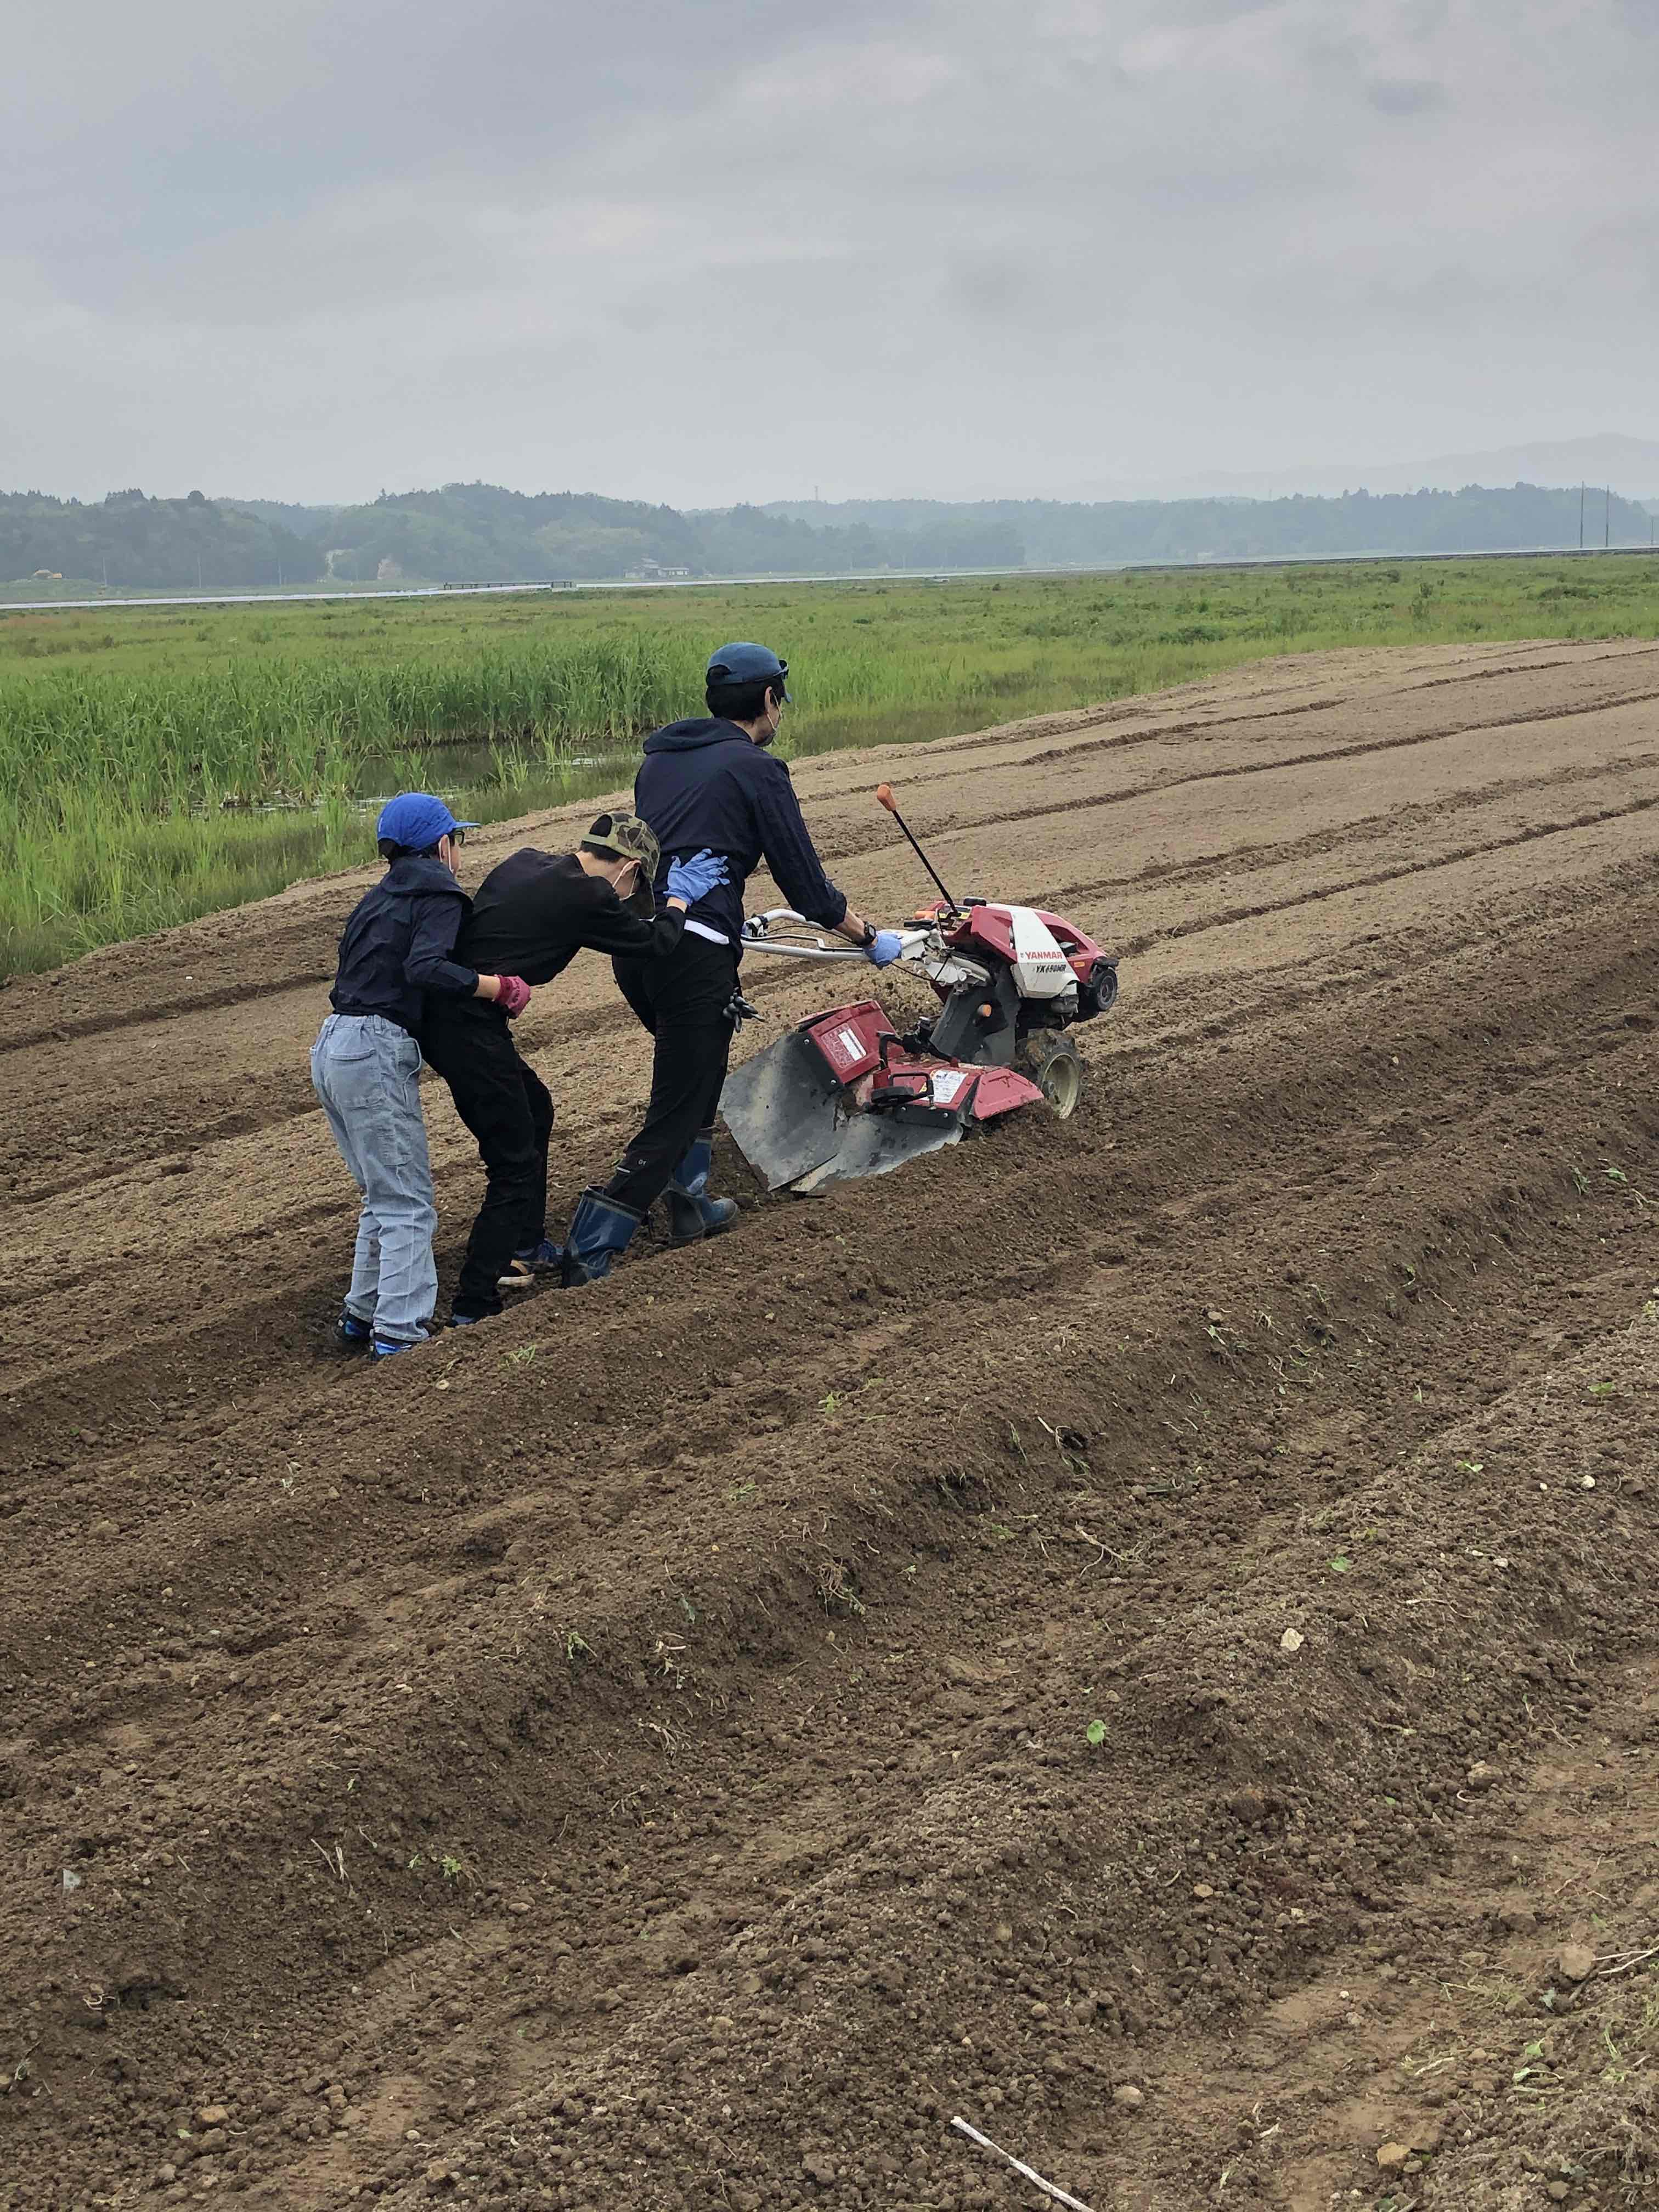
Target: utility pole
<point>1607,524</point>
<point>198,572</point>
<point>1581,518</point>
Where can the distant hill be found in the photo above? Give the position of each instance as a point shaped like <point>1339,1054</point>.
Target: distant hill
<point>128,541</point>
<point>1058,534</point>
<point>482,534</point>
<point>303,521</point>
<point>1630,465</point>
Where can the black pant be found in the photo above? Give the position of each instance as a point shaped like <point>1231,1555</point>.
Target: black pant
<point>683,999</point>
<point>504,1103</point>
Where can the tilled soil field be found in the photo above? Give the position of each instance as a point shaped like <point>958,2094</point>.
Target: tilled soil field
<point>1138,1632</point>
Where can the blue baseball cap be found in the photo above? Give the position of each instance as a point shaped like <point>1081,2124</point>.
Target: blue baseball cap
<point>748,664</point>
<point>416,819</point>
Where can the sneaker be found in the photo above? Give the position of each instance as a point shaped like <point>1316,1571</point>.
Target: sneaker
<point>350,1334</point>
<point>385,1347</point>
<point>526,1268</point>
<point>465,1320</point>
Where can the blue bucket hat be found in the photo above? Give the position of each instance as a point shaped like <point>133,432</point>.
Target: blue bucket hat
<point>416,819</point>
<point>748,664</point>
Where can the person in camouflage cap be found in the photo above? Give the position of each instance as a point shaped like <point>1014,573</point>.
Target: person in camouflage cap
<point>548,907</point>
<point>626,837</point>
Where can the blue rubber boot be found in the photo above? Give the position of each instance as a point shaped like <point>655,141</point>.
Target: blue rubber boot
<point>600,1231</point>
<point>692,1212</point>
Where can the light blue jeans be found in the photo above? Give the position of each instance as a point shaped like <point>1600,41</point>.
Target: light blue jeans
<point>367,1070</point>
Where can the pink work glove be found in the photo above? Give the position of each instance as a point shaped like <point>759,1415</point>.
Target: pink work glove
<point>513,996</point>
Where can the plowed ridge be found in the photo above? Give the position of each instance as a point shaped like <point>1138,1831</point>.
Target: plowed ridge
<point>1011,1634</point>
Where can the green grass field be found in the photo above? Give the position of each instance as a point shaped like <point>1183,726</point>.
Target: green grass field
<point>157,765</point>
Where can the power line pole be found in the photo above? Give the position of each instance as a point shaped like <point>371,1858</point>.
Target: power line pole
<point>1607,524</point>
<point>1581,518</point>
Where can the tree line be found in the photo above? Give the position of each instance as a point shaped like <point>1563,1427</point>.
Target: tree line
<point>132,542</point>
<point>1476,518</point>
<point>483,533</point>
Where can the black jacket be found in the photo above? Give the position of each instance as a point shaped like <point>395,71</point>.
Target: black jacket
<point>535,912</point>
<point>397,943</point>
<point>705,783</point>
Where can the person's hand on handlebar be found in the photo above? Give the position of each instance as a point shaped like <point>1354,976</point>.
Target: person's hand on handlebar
<point>880,947</point>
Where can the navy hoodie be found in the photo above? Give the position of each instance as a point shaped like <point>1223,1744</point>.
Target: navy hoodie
<point>705,783</point>
<point>397,943</point>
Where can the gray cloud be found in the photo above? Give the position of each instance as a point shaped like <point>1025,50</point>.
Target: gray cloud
<point>703,253</point>
<point>1407,96</point>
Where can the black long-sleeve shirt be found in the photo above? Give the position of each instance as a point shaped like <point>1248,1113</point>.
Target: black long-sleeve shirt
<point>706,783</point>
<point>536,911</point>
<point>398,942</point>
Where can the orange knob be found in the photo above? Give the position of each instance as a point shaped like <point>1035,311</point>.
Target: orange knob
<point>885,794</point>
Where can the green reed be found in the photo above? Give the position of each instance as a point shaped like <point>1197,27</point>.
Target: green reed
<point>160,764</point>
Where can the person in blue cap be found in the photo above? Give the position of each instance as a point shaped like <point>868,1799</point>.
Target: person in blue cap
<point>709,784</point>
<point>397,945</point>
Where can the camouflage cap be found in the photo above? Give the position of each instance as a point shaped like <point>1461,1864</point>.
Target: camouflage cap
<point>627,837</point>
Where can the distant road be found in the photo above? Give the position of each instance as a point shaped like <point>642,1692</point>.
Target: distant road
<point>846,576</point>
<point>503,591</point>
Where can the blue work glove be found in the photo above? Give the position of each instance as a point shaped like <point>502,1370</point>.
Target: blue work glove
<point>694,879</point>
<point>886,949</point>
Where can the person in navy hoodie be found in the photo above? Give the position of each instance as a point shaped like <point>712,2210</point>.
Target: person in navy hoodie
<point>709,784</point>
<point>366,1065</point>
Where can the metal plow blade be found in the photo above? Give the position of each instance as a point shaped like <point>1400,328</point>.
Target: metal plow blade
<point>874,1144</point>
<point>782,1109</point>
<point>787,1117</point>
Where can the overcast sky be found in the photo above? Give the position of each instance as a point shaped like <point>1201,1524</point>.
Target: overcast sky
<point>697,251</point>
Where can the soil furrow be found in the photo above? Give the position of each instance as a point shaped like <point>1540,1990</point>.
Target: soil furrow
<point>1094,1613</point>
